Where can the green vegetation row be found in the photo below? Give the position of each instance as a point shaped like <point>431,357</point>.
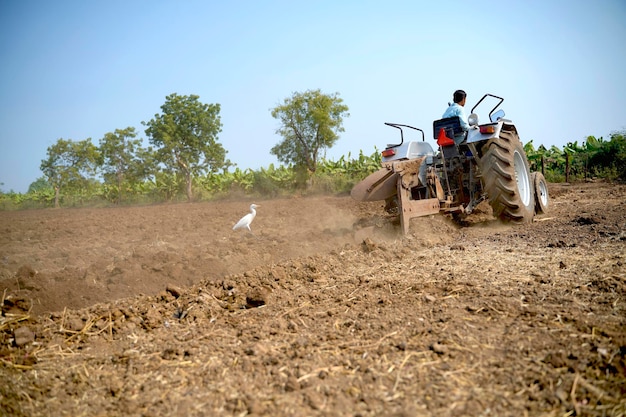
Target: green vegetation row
<point>331,177</point>
<point>594,158</point>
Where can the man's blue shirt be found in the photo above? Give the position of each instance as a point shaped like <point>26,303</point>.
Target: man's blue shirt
<point>456,110</point>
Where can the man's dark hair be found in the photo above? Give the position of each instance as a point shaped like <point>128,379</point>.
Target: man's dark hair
<point>459,95</point>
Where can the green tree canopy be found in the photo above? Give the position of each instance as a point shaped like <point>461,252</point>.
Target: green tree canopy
<point>310,122</point>
<point>70,164</point>
<point>609,155</point>
<point>124,160</point>
<point>185,137</point>
<point>38,185</point>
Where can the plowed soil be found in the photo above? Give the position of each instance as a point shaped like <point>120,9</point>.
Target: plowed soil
<point>327,309</point>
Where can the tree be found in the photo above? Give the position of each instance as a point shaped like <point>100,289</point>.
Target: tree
<point>41,191</point>
<point>38,185</point>
<point>70,164</point>
<point>310,122</point>
<point>124,161</point>
<point>185,137</point>
<point>609,155</point>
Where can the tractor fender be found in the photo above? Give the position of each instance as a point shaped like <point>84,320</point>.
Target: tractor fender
<point>474,135</point>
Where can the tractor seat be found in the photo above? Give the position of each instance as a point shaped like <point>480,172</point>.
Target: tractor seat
<point>450,125</point>
<point>453,123</point>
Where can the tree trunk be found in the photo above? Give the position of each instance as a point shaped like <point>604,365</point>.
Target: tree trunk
<point>56,197</point>
<point>188,186</point>
<point>119,189</point>
<point>566,167</point>
<point>543,166</point>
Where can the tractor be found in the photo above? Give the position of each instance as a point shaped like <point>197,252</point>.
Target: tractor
<point>488,162</point>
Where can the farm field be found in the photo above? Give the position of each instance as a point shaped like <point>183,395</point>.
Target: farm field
<point>326,310</point>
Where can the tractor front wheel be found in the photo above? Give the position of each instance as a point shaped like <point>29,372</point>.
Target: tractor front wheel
<point>542,198</point>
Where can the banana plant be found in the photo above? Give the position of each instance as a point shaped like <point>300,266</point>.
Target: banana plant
<point>243,178</point>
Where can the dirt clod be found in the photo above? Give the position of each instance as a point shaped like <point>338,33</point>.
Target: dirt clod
<point>257,297</point>
<point>174,290</point>
<point>23,335</point>
<point>368,245</point>
<point>439,348</point>
<point>25,271</point>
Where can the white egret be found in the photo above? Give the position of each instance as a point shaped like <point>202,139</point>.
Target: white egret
<point>245,221</point>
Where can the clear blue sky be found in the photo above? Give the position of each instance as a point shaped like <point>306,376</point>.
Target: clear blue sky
<point>79,69</point>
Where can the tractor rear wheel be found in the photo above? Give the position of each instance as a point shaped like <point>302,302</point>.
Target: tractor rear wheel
<point>506,178</point>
